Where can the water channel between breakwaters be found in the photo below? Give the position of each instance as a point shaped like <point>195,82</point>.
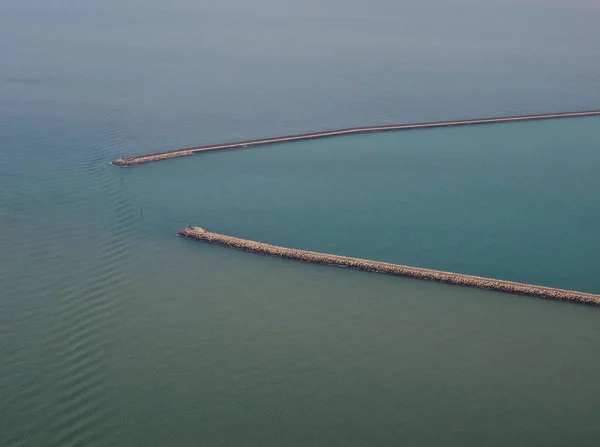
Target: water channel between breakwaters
<point>185,152</point>
<point>458,279</point>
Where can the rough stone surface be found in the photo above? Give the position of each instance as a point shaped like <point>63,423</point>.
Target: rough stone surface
<point>459,279</point>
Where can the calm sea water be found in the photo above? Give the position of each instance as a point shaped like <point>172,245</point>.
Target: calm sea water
<point>115,332</point>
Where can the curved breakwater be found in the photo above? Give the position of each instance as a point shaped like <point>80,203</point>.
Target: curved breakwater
<point>175,153</point>
<point>458,279</point>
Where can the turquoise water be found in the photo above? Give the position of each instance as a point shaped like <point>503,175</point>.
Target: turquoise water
<point>115,332</point>
<point>492,200</point>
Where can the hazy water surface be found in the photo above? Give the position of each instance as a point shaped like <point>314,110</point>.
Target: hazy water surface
<point>115,332</point>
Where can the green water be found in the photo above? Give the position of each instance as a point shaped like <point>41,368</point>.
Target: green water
<point>113,331</point>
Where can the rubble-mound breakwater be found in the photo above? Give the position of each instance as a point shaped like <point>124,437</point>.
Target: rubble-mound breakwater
<point>175,153</point>
<point>458,279</point>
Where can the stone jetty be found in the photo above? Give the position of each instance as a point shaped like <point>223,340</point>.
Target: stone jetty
<point>175,153</point>
<point>458,279</point>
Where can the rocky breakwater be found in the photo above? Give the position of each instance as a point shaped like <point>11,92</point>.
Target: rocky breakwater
<point>175,153</point>
<point>458,279</point>
<point>132,161</point>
